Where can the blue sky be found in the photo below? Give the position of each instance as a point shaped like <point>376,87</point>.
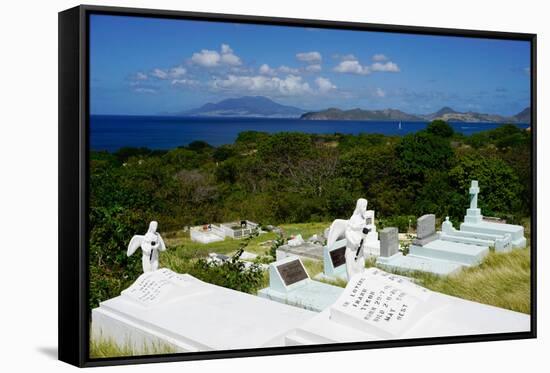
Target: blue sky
<point>141,66</point>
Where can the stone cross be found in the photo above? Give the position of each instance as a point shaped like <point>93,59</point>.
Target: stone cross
<point>474,191</point>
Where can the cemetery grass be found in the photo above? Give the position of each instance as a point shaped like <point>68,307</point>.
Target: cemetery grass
<point>101,347</point>
<point>180,244</point>
<point>502,280</point>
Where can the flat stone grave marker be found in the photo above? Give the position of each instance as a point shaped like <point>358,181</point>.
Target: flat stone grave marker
<point>290,283</point>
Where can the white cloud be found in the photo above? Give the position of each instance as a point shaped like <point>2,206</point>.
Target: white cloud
<point>206,58</point>
<point>344,57</point>
<point>160,74</point>
<point>288,70</point>
<point>379,58</point>
<point>266,70</point>
<point>145,90</point>
<point>313,68</point>
<point>290,86</point>
<point>352,67</point>
<point>226,49</point>
<point>309,57</point>
<point>380,92</point>
<point>184,82</point>
<point>385,67</point>
<point>211,58</point>
<point>140,76</point>
<point>324,84</point>
<point>172,73</point>
<point>178,71</point>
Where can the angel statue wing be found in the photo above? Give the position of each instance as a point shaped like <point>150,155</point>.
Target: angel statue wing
<point>337,230</point>
<point>162,246</point>
<point>134,244</point>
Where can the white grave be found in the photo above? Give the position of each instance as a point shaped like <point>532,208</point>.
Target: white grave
<point>377,305</point>
<point>190,315</point>
<point>473,222</point>
<point>371,246</point>
<point>334,262</point>
<point>441,253</point>
<point>289,283</point>
<point>207,233</point>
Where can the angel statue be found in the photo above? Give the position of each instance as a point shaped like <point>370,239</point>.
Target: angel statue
<point>354,230</point>
<point>151,243</point>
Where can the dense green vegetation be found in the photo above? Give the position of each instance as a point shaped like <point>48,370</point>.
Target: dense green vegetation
<point>289,178</point>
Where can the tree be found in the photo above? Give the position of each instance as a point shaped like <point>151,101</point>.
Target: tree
<point>423,152</point>
<point>440,128</point>
<point>500,187</point>
<point>280,152</point>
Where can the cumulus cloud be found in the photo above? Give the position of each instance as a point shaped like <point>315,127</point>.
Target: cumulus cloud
<point>206,58</point>
<point>160,74</point>
<point>324,84</point>
<point>352,67</point>
<point>290,86</point>
<point>228,57</point>
<point>140,76</point>
<point>212,58</point>
<point>177,71</point>
<point>184,82</point>
<point>145,90</point>
<point>309,57</point>
<point>172,73</point>
<point>288,70</point>
<point>265,69</point>
<point>385,67</point>
<point>315,68</point>
<point>379,58</point>
<point>346,57</point>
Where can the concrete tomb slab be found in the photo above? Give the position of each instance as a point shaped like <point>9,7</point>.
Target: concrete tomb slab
<point>408,311</point>
<point>191,315</point>
<point>306,250</point>
<point>289,283</point>
<point>473,222</point>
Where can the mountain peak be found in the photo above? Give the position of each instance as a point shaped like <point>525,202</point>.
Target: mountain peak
<point>445,110</point>
<point>246,106</point>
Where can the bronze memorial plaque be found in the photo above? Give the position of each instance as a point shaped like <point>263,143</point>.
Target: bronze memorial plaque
<point>338,256</point>
<point>292,272</point>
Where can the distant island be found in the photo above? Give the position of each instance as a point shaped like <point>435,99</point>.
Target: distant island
<point>263,107</point>
<point>247,106</point>
<point>446,114</point>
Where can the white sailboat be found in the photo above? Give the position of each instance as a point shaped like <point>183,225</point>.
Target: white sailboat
<point>399,125</point>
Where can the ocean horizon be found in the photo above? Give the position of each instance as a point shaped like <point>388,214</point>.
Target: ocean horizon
<point>112,132</point>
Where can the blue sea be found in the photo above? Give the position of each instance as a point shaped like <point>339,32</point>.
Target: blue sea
<point>111,132</point>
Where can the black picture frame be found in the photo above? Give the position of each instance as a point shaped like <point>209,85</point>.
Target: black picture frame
<point>74,317</point>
